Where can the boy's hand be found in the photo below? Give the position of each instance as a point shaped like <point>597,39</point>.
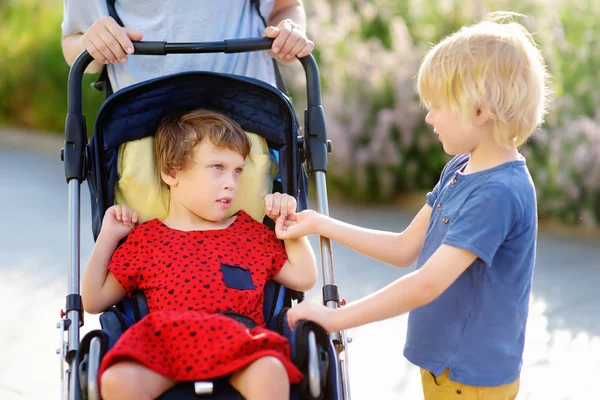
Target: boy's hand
<point>297,225</point>
<point>119,221</point>
<point>290,41</point>
<point>107,41</point>
<point>324,316</point>
<point>279,204</point>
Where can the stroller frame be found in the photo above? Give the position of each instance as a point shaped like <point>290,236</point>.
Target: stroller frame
<point>314,145</point>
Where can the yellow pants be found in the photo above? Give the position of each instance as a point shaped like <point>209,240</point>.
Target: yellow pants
<point>442,388</point>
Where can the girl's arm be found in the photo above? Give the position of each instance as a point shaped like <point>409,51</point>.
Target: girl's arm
<point>300,270</point>
<point>100,289</point>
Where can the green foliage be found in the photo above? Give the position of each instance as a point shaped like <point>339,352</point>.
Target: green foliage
<point>368,53</point>
<point>369,57</point>
<point>33,71</point>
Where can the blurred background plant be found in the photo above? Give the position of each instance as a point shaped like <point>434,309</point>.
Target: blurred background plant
<point>368,54</point>
<point>33,72</point>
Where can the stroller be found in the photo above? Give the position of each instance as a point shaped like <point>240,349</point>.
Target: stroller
<point>134,113</point>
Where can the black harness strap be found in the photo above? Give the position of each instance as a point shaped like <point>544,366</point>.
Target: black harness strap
<point>278,78</point>
<point>241,318</point>
<point>103,82</point>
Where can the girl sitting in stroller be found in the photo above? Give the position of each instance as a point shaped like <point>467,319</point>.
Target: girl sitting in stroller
<point>203,274</point>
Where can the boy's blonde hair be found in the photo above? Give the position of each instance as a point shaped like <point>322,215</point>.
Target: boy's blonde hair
<point>495,66</point>
<point>177,135</point>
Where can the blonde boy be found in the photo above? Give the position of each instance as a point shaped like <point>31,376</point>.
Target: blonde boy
<point>474,240</point>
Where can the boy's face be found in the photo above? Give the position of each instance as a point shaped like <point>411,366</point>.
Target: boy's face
<point>457,131</point>
<point>208,185</point>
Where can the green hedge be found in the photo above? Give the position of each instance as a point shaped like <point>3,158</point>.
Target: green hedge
<point>33,72</point>
<point>368,54</point>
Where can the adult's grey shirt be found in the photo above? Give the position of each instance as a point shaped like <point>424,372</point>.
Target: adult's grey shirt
<point>179,21</point>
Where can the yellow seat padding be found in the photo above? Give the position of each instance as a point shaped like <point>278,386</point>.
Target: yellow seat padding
<point>141,187</point>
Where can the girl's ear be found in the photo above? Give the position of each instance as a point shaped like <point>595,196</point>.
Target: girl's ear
<point>169,178</point>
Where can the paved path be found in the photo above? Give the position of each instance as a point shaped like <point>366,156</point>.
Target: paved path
<point>562,357</point>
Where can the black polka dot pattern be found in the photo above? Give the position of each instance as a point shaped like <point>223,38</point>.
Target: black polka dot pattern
<point>188,278</point>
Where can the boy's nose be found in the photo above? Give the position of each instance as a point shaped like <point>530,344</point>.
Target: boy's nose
<point>429,118</point>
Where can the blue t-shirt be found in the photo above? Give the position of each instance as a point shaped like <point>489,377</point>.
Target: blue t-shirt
<point>476,328</point>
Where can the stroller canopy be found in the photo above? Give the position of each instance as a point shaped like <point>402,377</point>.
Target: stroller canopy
<point>134,112</point>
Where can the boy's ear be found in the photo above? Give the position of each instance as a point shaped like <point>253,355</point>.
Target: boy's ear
<point>481,116</point>
<point>169,178</point>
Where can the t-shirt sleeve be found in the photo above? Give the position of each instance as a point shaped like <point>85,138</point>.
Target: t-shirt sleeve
<point>79,15</point>
<point>129,261</point>
<point>276,252</point>
<point>484,222</point>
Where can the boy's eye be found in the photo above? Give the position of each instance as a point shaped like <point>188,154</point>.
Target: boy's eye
<point>217,166</point>
<point>239,170</point>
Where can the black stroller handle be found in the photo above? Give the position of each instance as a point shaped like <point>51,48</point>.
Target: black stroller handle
<point>225,46</point>
<point>313,84</point>
<point>234,46</point>
<point>75,131</point>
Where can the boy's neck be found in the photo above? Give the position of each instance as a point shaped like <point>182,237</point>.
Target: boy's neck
<point>490,155</point>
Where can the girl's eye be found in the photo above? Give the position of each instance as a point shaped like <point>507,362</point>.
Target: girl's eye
<point>217,166</point>
<point>238,171</point>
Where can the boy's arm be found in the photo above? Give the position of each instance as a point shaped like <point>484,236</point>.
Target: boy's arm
<point>398,249</point>
<point>407,293</point>
<point>300,270</point>
<point>100,289</point>
<point>467,239</point>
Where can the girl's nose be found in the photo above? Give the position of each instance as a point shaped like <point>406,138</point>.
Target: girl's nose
<point>230,182</point>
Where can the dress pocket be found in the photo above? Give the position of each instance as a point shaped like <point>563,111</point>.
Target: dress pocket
<point>236,277</point>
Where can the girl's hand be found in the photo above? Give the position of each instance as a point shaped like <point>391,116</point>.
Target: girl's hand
<point>279,204</point>
<point>290,41</point>
<point>107,41</point>
<point>118,222</point>
<point>297,225</point>
<point>324,316</point>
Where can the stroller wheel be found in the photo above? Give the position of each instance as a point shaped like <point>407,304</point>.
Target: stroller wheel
<point>314,375</point>
<point>93,391</point>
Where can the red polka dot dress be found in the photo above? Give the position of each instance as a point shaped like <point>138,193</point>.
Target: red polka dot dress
<point>188,278</point>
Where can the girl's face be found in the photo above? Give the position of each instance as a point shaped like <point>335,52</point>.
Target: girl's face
<point>209,183</point>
